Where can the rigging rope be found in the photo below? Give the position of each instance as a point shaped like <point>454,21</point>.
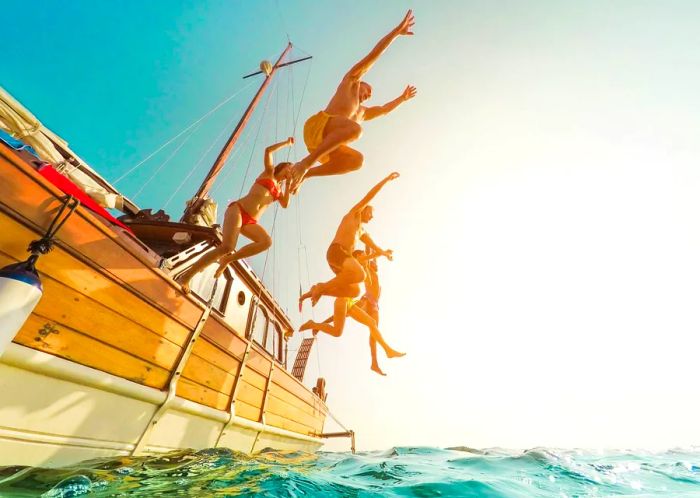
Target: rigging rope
<point>255,142</point>
<point>167,160</point>
<point>196,122</point>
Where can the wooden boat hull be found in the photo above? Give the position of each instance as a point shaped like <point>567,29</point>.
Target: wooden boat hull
<point>96,358</point>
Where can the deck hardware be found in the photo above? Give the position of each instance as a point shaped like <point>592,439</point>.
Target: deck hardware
<point>266,394</point>
<point>175,377</point>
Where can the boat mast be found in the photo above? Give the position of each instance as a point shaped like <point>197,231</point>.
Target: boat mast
<point>196,202</point>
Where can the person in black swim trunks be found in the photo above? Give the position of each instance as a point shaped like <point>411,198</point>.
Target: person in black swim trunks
<point>348,271</point>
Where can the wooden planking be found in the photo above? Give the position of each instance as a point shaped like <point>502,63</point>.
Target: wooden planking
<point>258,362</point>
<point>43,334</point>
<point>243,409</point>
<point>289,383</point>
<point>219,334</point>
<point>62,305</point>
<point>250,395</point>
<point>77,275</point>
<point>279,407</point>
<point>290,425</point>
<point>202,395</point>
<point>34,198</point>
<point>216,356</point>
<point>288,397</point>
<point>254,378</point>
<point>204,373</point>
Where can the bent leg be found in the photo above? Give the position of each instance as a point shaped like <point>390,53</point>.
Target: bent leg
<point>231,230</point>
<point>346,283</point>
<point>372,341</point>
<point>343,160</point>
<point>338,131</point>
<point>261,241</point>
<point>334,328</point>
<point>359,315</point>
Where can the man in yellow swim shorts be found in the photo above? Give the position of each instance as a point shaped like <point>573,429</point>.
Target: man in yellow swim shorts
<point>327,132</point>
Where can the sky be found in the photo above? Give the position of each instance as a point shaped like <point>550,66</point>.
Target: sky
<point>545,280</point>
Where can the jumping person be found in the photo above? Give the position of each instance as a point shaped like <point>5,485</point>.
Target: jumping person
<point>343,308</point>
<point>327,132</point>
<point>242,217</point>
<point>348,271</point>
<point>369,302</point>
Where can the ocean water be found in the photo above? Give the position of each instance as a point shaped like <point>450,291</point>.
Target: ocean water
<point>423,472</point>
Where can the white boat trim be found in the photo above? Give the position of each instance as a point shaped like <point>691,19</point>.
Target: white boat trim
<point>52,366</point>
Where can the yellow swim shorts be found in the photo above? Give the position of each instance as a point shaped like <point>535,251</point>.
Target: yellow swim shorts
<point>313,132</point>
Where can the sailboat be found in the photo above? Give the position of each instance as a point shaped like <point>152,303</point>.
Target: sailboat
<point>115,359</point>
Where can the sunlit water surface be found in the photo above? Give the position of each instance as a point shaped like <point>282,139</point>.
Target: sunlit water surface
<point>425,472</point>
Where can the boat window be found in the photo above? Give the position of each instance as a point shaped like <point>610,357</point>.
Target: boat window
<point>278,344</point>
<point>257,333</point>
<point>202,285</point>
<point>220,293</point>
<point>270,339</point>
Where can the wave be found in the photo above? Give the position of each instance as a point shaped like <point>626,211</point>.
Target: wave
<point>401,471</point>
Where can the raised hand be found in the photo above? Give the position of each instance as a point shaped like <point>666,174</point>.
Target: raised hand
<point>393,176</point>
<point>408,93</point>
<point>388,254</point>
<point>290,141</point>
<point>406,26</point>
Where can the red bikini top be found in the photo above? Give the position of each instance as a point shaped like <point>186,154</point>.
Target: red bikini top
<point>271,185</point>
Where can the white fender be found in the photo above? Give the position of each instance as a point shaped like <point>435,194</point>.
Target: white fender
<point>20,291</point>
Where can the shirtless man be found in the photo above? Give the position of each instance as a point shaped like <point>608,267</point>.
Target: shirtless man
<point>364,311</point>
<point>348,271</point>
<point>327,132</point>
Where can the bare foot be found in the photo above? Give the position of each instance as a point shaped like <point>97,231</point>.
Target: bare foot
<point>303,298</point>
<point>376,368</point>
<point>392,353</point>
<point>315,294</point>
<point>309,324</point>
<point>185,287</point>
<point>297,176</point>
<point>220,270</point>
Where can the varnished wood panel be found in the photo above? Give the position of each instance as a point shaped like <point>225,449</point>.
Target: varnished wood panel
<point>290,425</point>
<point>258,362</point>
<point>254,378</point>
<point>216,356</point>
<point>219,334</point>
<point>203,372</point>
<point>80,277</point>
<point>250,394</point>
<point>27,193</point>
<point>288,397</point>
<point>43,334</point>
<point>285,380</point>
<point>245,410</point>
<point>202,395</point>
<point>285,410</point>
<point>62,305</point>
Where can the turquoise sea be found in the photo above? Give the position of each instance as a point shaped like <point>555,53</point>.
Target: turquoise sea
<point>424,472</point>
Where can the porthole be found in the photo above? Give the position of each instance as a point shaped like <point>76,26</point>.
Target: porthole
<point>241,298</point>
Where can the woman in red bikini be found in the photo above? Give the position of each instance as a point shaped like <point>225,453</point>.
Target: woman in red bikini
<point>242,218</point>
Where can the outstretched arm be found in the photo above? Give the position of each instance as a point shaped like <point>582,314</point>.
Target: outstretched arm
<point>269,164</point>
<point>375,190</point>
<point>381,110</point>
<point>404,28</point>
<point>375,248</point>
